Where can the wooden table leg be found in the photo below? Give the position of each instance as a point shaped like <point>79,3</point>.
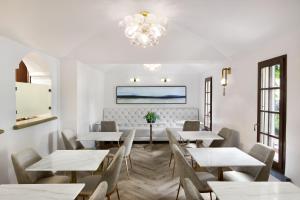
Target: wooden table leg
<point>220,174</point>
<point>73,177</point>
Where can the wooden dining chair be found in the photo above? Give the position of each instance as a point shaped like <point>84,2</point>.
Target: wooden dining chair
<point>110,175</point>
<point>185,170</point>
<point>173,140</point>
<point>262,153</point>
<point>128,141</point>
<point>28,157</point>
<point>100,192</point>
<point>191,192</point>
<point>70,140</point>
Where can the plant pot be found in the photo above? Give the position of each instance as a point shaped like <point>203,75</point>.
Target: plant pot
<point>149,121</point>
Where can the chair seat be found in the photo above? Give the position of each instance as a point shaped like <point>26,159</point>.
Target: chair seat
<point>237,176</point>
<point>204,177</point>
<point>54,180</point>
<point>91,183</point>
<point>190,145</point>
<point>112,151</point>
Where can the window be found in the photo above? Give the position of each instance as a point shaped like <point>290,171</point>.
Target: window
<point>208,104</point>
<point>271,107</point>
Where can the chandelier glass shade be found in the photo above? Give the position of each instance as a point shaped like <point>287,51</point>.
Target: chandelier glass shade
<point>144,29</point>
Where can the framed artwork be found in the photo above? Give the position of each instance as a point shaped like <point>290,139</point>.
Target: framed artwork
<point>151,94</point>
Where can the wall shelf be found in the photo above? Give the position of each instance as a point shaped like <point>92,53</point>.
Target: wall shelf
<point>33,122</point>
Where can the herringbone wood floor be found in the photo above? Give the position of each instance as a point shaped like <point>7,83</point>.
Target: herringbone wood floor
<point>150,177</point>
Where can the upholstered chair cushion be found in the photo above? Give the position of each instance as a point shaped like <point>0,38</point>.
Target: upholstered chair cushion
<point>69,138</point>
<point>262,153</point>
<point>186,171</point>
<point>110,175</point>
<point>127,143</point>
<point>191,126</point>
<point>173,140</point>
<point>26,158</point>
<point>100,192</point>
<point>109,126</point>
<point>231,139</point>
<point>191,192</point>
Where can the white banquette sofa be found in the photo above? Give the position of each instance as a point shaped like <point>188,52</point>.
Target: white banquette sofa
<point>133,117</point>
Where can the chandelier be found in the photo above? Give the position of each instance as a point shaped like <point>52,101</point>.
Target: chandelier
<point>152,67</point>
<point>144,29</point>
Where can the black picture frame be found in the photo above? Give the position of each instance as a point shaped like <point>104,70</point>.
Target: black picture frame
<point>147,86</point>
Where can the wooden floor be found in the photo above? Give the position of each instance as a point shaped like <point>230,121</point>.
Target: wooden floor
<point>150,177</point>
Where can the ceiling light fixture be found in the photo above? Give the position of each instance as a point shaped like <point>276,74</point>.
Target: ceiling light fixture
<point>165,80</point>
<point>134,80</point>
<point>144,29</point>
<point>152,67</point>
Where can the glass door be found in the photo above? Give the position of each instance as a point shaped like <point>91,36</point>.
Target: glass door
<point>271,108</point>
<point>208,104</point>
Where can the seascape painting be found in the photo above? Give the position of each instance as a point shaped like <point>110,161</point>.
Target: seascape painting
<point>151,95</point>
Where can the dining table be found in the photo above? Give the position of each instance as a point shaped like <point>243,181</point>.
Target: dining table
<point>100,136</point>
<point>255,190</point>
<point>223,157</point>
<point>40,191</point>
<point>70,161</point>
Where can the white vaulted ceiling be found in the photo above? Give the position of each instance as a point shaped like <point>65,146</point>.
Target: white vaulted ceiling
<point>199,31</point>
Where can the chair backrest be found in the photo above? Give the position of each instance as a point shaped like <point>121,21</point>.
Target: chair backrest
<point>109,126</point>
<point>100,192</point>
<point>69,138</point>
<point>191,192</point>
<point>173,140</point>
<point>191,126</point>
<point>128,142</point>
<point>264,154</point>
<point>185,169</point>
<point>112,173</point>
<point>231,138</point>
<point>24,159</point>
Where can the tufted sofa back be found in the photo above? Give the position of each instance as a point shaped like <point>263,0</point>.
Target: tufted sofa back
<point>132,116</point>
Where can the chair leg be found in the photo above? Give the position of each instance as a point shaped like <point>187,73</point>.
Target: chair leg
<point>173,173</point>
<point>108,197</point>
<point>210,195</point>
<point>118,193</point>
<point>178,191</point>
<point>130,161</point>
<point>170,159</point>
<point>127,166</point>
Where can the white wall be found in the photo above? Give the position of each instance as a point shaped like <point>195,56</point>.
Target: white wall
<point>238,108</point>
<point>81,95</point>
<point>121,78</point>
<point>90,92</point>
<point>41,137</point>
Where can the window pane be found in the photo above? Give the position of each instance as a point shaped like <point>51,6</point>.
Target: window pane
<point>264,122</point>
<point>274,144</point>
<point>265,77</point>
<point>274,124</point>
<point>264,139</point>
<point>275,76</point>
<point>264,100</point>
<point>275,100</point>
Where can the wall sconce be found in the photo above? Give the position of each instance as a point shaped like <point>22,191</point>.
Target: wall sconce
<point>224,81</point>
<point>134,80</point>
<point>165,80</point>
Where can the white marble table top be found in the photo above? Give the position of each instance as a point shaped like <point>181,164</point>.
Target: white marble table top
<point>70,160</point>
<point>199,135</point>
<point>255,190</point>
<point>222,157</point>
<point>40,191</point>
<point>100,136</point>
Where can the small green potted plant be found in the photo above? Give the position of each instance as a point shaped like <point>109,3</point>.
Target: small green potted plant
<point>151,117</point>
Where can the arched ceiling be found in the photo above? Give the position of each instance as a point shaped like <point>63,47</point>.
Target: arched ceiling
<point>199,31</point>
